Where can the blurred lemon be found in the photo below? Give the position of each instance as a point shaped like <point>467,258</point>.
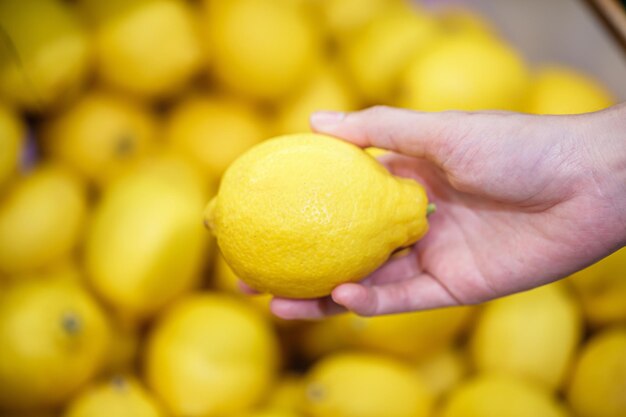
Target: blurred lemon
<point>146,242</point>
<point>560,90</point>
<point>213,131</point>
<point>598,381</point>
<point>365,385</point>
<point>149,48</point>
<point>412,335</point>
<point>287,394</point>
<point>99,134</point>
<point>211,355</point>
<point>123,350</point>
<point>53,338</point>
<point>377,55</point>
<point>344,18</point>
<point>376,152</point>
<point>601,290</point>
<point>465,73</point>
<point>297,215</point>
<point>41,218</point>
<point>44,53</point>
<point>498,396</point>
<point>12,132</point>
<point>269,412</point>
<point>119,397</point>
<point>326,90</point>
<point>443,371</point>
<point>456,21</point>
<point>530,335</point>
<point>262,48</point>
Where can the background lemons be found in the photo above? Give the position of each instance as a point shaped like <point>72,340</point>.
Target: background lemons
<point>12,132</point>
<point>53,338</point>
<point>100,134</point>
<point>41,219</point>
<point>211,355</point>
<point>45,56</point>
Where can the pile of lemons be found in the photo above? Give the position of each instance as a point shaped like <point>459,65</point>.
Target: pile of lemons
<point>117,120</point>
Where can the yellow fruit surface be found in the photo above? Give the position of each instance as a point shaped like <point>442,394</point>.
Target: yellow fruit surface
<point>598,380</point>
<point>561,90</point>
<point>344,18</point>
<point>213,131</point>
<point>149,48</point>
<point>531,335</point>
<point>443,371</point>
<point>53,338</point>
<point>299,214</point>
<point>41,219</point>
<point>490,395</point>
<point>365,385</point>
<point>211,355</point>
<point>146,243</point>
<point>262,48</point>
<point>287,394</point>
<point>120,396</point>
<point>11,141</point>
<point>465,73</point>
<point>45,56</point>
<point>100,134</point>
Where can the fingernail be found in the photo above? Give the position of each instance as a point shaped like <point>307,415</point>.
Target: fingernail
<point>327,119</point>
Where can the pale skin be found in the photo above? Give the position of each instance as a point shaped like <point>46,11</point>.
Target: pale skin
<point>522,201</point>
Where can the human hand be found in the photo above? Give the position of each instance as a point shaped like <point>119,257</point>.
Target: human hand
<point>522,200</point>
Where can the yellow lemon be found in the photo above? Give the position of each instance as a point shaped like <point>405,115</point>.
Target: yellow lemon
<point>560,90</point>
<point>53,338</point>
<point>465,73</point>
<point>262,48</point>
<point>12,132</point>
<point>344,18</point>
<point>211,355</point>
<point>376,152</point>
<point>377,55</point>
<point>598,381</point>
<point>269,412</point>
<point>443,371</point>
<point>44,55</point>
<point>326,90</point>
<point>500,395</point>
<point>365,385</point>
<point>412,335</point>
<point>530,335</point>
<point>288,394</point>
<point>123,350</point>
<point>601,290</point>
<point>146,242</point>
<point>213,131</point>
<point>100,134</point>
<point>120,397</point>
<point>297,215</point>
<point>456,21</point>
<point>41,218</point>
<point>149,48</point>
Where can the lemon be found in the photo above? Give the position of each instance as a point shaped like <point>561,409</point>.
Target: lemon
<point>500,395</point>
<point>41,218</point>
<point>344,18</point>
<point>457,21</point>
<point>530,335</point>
<point>213,131</point>
<point>44,53</point>
<point>149,48</point>
<point>100,134</point>
<point>465,73</point>
<point>377,55</point>
<point>11,141</point>
<point>146,242</point>
<point>262,48</point>
<point>326,90</point>
<point>598,381</point>
<point>210,355</point>
<point>287,394</point>
<point>53,338</point>
<point>269,412</point>
<point>123,350</point>
<point>297,215</point>
<point>560,90</point>
<point>601,290</point>
<point>120,397</point>
<point>365,385</point>
<point>376,152</point>
<point>413,335</point>
<point>443,371</point>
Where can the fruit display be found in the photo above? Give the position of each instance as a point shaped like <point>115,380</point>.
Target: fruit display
<point>120,120</point>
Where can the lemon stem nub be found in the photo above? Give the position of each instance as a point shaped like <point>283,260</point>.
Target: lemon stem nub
<point>431,208</point>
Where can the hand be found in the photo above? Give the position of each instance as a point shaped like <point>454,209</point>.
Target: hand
<point>522,201</point>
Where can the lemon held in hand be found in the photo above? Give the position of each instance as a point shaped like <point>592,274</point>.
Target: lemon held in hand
<point>300,214</point>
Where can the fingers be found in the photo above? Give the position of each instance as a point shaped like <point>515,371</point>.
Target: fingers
<point>290,309</point>
<point>419,293</point>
